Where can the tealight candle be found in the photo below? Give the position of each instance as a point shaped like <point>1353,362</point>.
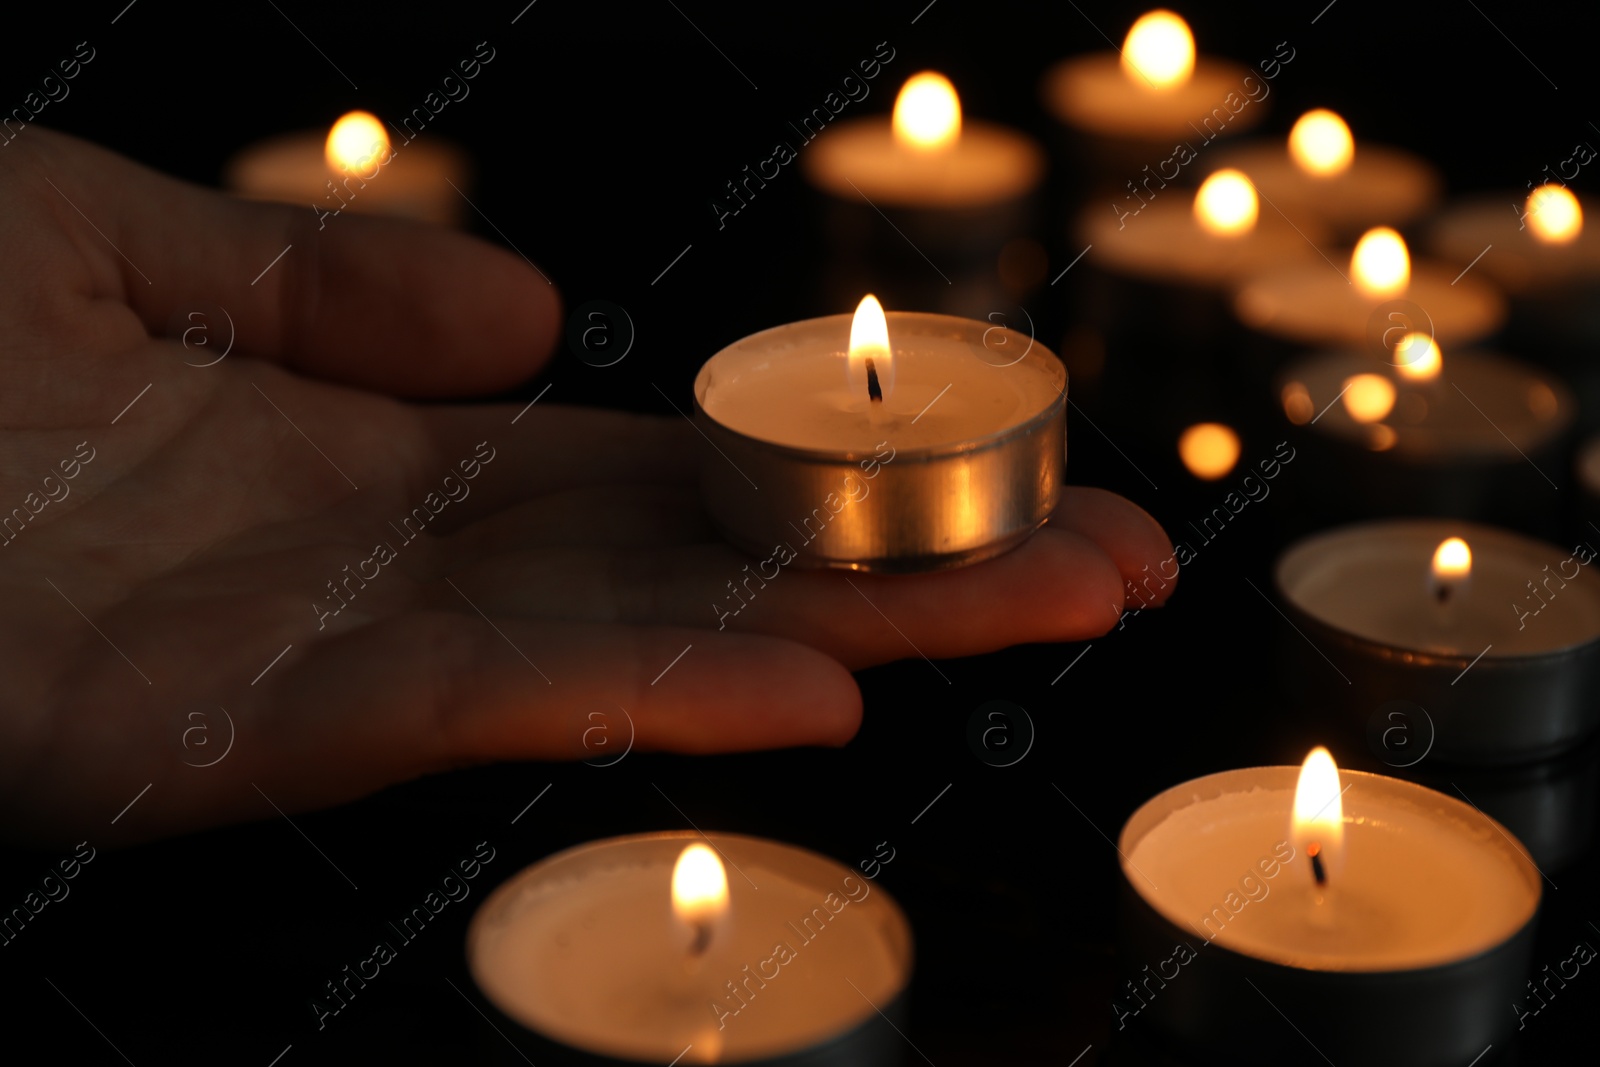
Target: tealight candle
<point>1495,635</point>
<point>928,155</point>
<point>905,442</point>
<point>1526,244</point>
<point>923,201</point>
<point>354,167</point>
<point>1155,89</point>
<point>1459,433</point>
<point>645,949</point>
<point>1215,238</point>
<point>1387,923</point>
<point>1321,174</point>
<point>1315,303</point>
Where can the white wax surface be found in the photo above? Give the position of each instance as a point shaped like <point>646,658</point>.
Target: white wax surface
<point>1092,93</point>
<point>988,164</point>
<point>1165,242</point>
<point>415,183</point>
<point>790,386</point>
<point>1371,580</point>
<point>1424,879</point>
<point>1518,260</point>
<point>1314,303</point>
<point>1482,406</point>
<point>1383,186</point>
<point>594,958</point>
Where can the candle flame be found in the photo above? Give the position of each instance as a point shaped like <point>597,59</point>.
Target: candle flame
<point>1159,50</point>
<point>1417,357</point>
<point>356,141</point>
<point>1209,450</point>
<point>1320,144</point>
<point>1226,204</point>
<point>869,340</point>
<point>1452,560</point>
<point>1553,214</point>
<point>699,885</point>
<point>1318,823</point>
<point>1297,403</point>
<point>1381,265</point>
<point>1368,397</point>
<point>927,113</point>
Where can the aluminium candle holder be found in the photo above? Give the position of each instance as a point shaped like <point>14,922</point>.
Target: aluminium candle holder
<point>927,506</point>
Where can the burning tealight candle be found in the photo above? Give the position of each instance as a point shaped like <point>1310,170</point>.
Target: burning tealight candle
<point>905,442</point>
<point>1460,433</point>
<point>644,949</point>
<point>354,166</point>
<point>1385,922</point>
<point>1156,88</point>
<point>925,156</point>
<point>1324,176</point>
<point>1525,244</point>
<point>1315,303</point>
<point>1216,238</point>
<point>1496,635</point>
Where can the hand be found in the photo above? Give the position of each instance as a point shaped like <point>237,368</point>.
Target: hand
<point>236,510</point>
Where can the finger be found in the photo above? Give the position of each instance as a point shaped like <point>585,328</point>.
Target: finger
<point>402,307</point>
<point>602,516</point>
<point>551,448</point>
<point>430,691</point>
<point>1125,532</point>
<point>1057,586</point>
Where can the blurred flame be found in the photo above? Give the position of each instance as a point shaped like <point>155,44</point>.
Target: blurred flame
<point>927,113</point>
<point>356,140</point>
<point>1553,214</point>
<point>699,885</point>
<point>1381,266</point>
<point>1297,403</point>
<point>1209,450</point>
<point>1452,559</point>
<point>1226,204</point>
<point>1159,50</point>
<point>1320,144</point>
<point>1417,357</point>
<point>1368,397</point>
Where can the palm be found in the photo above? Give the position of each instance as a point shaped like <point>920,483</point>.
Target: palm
<point>237,510</point>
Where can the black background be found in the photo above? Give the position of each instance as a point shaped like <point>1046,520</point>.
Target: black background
<point>601,133</point>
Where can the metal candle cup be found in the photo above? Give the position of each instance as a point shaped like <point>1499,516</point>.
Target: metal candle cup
<point>1497,687</point>
<point>968,461</point>
<point>1401,984</point>
<point>577,958</point>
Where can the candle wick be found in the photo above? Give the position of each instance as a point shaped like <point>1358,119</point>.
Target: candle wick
<point>1442,594</point>
<point>1314,850</point>
<point>702,939</point>
<point>874,389</point>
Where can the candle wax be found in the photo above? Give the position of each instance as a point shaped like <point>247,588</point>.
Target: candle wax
<point>1315,303</point>
<point>413,183</point>
<point>790,386</point>
<point>598,961</point>
<point>1094,94</point>
<point>987,164</point>
<point>1165,241</point>
<point>1372,581</point>
<point>1424,881</point>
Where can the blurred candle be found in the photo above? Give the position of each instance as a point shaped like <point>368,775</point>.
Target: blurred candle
<point>354,167</point>
<point>1321,173</point>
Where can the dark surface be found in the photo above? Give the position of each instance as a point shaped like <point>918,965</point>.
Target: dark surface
<point>602,131</point>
